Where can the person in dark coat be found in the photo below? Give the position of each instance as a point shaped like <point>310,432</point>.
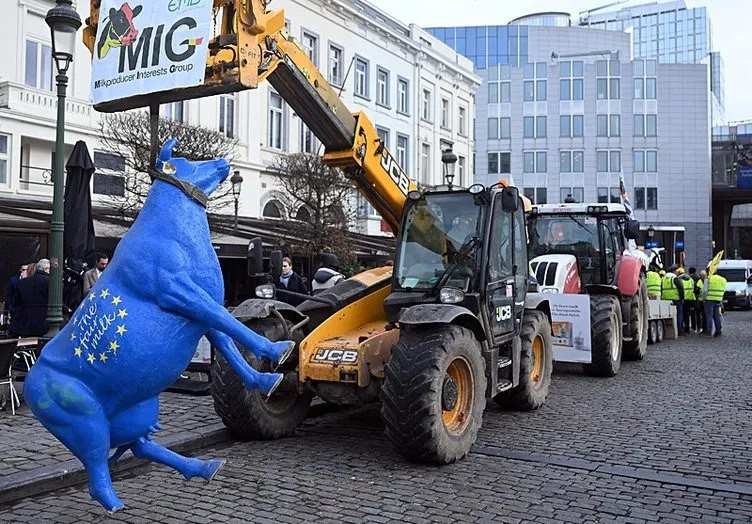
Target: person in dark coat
<point>30,303</point>
<point>290,281</point>
<point>12,286</point>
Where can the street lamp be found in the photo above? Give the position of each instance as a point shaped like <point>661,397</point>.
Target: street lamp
<point>237,183</point>
<point>449,160</point>
<point>64,22</point>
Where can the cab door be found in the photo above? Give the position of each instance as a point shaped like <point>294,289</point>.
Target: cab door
<point>501,280</point>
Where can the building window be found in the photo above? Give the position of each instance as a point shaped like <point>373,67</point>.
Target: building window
<point>608,81</point>
<point>461,162</point>
<point>425,163</point>
<point>571,126</point>
<point>336,60</point>
<point>462,121</point>
<point>383,135</point>
<point>534,86</point>
<point>536,195</point>
<point>4,158</point>
<point>426,109</point>
<point>361,77</point>
<point>644,79</point>
<point>571,80</point>
<point>646,125</point>
<point>402,141</point>
<point>308,143</point>
<point>272,209</point>
<point>446,113</point>
<point>576,193</point>
<point>571,162</point>
<point>645,161</point>
<point>108,178</point>
<point>276,121</point>
<point>382,87</point>
<point>609,195</point>
<point>174,111</point>
<point>403,96</point>
<point>534,162</point>
<point>38,65</point>
<point>227,115</point>
<point>499,92</point>
<point>499,163</point>
<point>499,128</point>
<point>311,46</point>
<point>608,125</point>
<point>534,127</point>
<point>608,161</point>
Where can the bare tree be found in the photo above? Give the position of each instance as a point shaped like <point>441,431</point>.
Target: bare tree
<point>128,135</point>
<point>318,199</point>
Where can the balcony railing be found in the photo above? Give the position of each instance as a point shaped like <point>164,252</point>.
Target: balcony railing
<point>42,104</point>
<point>35,179</point>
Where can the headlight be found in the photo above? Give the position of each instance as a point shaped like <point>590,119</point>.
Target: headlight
<point>451,295</point>
<point>741,292</point>
<point>549,290</point>
<point>265,291</point>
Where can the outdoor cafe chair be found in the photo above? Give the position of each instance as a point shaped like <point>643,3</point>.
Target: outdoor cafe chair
<point>7,355</point>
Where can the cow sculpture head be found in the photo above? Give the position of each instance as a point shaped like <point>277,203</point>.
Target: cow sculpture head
<point>206,175</point>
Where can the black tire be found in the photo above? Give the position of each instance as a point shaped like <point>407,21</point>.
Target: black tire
<point>536,365</point>
<point>661,331</point>
<point>605,329</point>
<point>653,332</point>
<point>637,347</point>
<point>418,389</point>
<point>247,414</point>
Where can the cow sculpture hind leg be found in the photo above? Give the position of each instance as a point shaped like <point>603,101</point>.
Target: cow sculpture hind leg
<point>146,448</point>
<point>69,410</point>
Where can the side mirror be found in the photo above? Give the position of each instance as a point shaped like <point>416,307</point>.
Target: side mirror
<point>632,231</point>
<point>749,280</point>
<point>255,257</point>
<point>510,199</point>
<point>275,263</point>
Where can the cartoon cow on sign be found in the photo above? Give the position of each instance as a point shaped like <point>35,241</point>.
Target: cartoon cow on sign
<point>119,29</point>
<point>96,385</point>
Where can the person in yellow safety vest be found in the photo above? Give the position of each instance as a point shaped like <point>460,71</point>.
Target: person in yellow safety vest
<point>701,320</point>
<point>672,288</point>
<point>653,281</point>
<point>688,307</point>
<point>713,290</point>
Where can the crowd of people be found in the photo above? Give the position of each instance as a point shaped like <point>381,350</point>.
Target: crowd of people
<point>325,277</point>
<point>698,298</point>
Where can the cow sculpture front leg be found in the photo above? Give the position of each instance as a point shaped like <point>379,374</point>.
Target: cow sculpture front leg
<point>188,299</point>
<point>266,383</point>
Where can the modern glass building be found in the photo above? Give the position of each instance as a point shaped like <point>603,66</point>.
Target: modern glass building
<point>669,32</point>
<point>574,114</point>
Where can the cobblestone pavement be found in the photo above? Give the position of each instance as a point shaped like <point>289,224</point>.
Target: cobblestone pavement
<point>667,440</point>
<point>25,444</point>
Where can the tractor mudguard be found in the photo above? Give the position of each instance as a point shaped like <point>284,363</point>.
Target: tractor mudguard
<point>602,289</point>
<point>425,314</point>
<point>254,308</point>
<point>628,279</point>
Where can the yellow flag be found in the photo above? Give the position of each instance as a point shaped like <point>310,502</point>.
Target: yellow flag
<point>713,266</point>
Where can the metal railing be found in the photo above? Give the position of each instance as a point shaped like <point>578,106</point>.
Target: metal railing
<point>32,178</point>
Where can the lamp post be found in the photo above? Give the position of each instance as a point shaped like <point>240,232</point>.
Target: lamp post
<point>449,159</point>
<point>237,183</point>
<point>64,22</point>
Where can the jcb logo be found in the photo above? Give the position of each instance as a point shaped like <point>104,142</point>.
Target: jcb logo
<point>339,356</point>
<point>395,172</point>
<point>503,313</point>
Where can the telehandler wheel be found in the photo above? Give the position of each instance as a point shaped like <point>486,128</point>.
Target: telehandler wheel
<point>605,329</point>
<point>653,332</point>
<point>535,366</point>
<point>636,348</point>
<point>247,414</point>
<point>434,393</point>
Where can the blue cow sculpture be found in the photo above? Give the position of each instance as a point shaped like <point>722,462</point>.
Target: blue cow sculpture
<point>96,385</point>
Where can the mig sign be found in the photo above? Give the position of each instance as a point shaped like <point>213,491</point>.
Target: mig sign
<point>145,47</point>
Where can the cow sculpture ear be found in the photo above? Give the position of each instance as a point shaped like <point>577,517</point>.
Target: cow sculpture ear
<point>137,10</point>
<point>166,154</point>
<point>113,13</point>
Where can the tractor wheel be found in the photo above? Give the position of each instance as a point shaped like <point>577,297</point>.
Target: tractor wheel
<point>434,394</point>
<point>653,332</point>
<point>246,413</point>
<point>661,331</point>
<point>605,329</point>
<point>636,348</point>
<point>535,366</point>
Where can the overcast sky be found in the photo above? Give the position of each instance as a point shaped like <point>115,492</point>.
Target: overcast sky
<point>731,21</point>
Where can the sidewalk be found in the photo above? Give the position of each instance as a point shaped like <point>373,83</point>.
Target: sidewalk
<point>33,461</point>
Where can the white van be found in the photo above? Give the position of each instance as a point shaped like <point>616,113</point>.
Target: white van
<point>738,275</point>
